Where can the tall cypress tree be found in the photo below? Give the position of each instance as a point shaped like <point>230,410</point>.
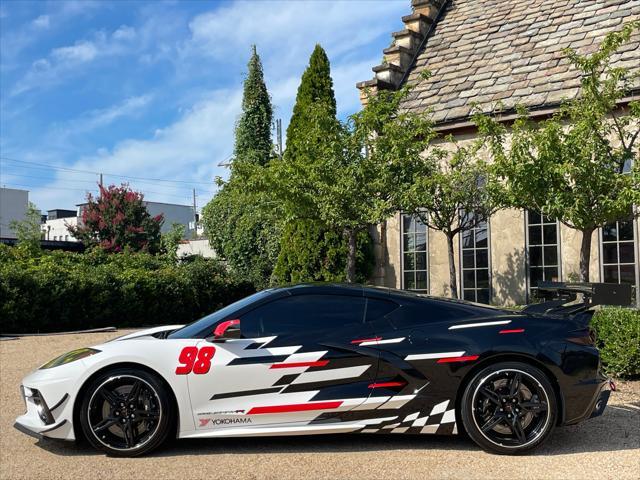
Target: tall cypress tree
<point>309,249</point>
<point>316,87</point>
<point>253,130</point>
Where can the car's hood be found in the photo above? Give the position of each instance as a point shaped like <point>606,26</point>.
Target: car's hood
<point>149,332</point>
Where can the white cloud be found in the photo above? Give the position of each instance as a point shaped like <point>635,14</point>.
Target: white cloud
<point>287,26</point>
<point>80,52</point>
<point>130,107</point>
<point>41,22</point>
<point>17,37</point>
<point>64,61</point>
<point>124,33</point>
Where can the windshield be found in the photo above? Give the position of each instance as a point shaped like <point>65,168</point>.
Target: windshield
<point>193,329</point>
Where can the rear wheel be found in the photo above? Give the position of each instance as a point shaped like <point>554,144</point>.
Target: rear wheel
<point>126,412</point>
<point>509,408</point>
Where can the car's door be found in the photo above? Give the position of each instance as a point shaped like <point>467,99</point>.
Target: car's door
<point>299,360</point>
<point>421,359</point>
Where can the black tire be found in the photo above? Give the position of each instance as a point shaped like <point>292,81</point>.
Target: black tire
<point>509,408</point>
<point>124,422</point>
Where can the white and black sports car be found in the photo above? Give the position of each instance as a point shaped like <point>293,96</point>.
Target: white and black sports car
<point>331,359</point>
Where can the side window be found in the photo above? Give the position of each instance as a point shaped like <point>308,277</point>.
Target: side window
<point>378,308</point>
<point>303,313</point>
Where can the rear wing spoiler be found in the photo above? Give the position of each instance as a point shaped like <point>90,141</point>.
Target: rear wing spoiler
<point>558,298</point>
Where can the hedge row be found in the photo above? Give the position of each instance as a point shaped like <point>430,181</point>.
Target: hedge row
<point>618,334</point>
<point>63,291</point>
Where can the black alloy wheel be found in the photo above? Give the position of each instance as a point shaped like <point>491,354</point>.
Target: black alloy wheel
<point>126,413</point>
<point>509,408</point>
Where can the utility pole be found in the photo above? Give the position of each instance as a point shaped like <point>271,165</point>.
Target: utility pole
<point>279,136</point>
<point>195,214</point>
<point>101,180</point>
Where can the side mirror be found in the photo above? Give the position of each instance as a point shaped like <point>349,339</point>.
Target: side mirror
<point>227,329</point>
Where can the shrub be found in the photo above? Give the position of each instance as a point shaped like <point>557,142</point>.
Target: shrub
<point>62,291</point>
<point>618,333</point>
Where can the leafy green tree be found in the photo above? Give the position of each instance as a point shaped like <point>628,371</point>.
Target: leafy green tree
<point>170,241</point>
<point>455,193</point>
<point>577,166</point>
<point>246,235</point>
<point>29,231</point>
<point>118,220</point>
<point>239,229</point>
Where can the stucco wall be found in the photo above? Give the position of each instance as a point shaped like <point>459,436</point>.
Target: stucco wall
<point>508,257</point>
<point>386,237</point>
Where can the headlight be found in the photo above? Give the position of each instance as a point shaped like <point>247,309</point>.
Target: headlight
<point>69,357</point>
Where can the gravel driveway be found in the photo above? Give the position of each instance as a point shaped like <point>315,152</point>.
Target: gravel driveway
<point>605,447</point>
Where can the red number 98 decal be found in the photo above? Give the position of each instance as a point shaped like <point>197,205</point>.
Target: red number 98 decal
<point>194,360</point>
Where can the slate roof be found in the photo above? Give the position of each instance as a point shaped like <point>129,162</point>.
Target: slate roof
<point>482,52</point>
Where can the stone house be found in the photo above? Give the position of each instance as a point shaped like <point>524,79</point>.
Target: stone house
<point>482,53</point>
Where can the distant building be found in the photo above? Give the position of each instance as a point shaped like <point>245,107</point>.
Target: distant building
<point>13,207</point>
<point>56,226</point>
<point>196,247</point>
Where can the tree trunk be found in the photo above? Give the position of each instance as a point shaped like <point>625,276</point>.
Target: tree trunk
<point>585,254</point>
<point>351,257</point>
<point>453,281</point>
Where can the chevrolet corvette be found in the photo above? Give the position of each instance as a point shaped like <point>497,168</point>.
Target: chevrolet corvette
<point>330,358</point>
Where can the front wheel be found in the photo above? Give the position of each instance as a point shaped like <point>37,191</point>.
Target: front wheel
<point>126,412</point>
<point>509,408</point>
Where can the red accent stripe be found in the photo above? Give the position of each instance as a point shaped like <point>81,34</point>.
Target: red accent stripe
<point>468,358</point>
<point>362,340</point>
<point>387,384</point>
<point>514,330</point>
<point>319,363</point>
<point>300,407</point>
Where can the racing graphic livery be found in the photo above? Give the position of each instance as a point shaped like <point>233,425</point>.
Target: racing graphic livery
<point>329,358</point>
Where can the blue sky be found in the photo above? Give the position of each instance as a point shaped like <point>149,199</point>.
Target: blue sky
<point>153,89</point>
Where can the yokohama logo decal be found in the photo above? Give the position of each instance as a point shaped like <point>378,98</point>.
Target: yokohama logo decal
<point>301,407</point>
<point>223,421</point>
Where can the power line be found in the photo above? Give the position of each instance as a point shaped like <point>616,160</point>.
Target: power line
<point>50,178</point>
<point>107,174</point>
<point>52,188</point>
<point>95,181</point>
<point>183,197</point>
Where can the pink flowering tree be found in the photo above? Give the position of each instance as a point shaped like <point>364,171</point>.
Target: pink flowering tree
<point>118,220</point>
